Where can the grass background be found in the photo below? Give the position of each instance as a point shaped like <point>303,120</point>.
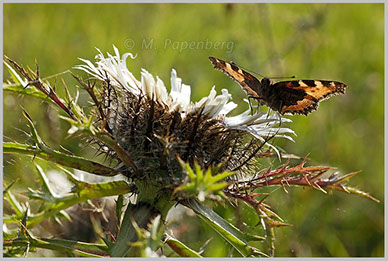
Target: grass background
<point>343,42</point>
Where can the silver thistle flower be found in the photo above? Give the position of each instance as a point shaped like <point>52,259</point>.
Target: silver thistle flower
<point>156,126</point>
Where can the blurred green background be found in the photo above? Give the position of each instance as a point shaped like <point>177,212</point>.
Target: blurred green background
<point>343,42</point>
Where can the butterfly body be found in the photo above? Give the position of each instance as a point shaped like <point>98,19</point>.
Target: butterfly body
<point>295,97</point>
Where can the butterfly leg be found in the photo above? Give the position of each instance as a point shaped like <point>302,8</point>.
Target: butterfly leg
<point>280,119</point>
<point>259,101</point>
<point>268,112</point>
<point>279,114</point>
<point>250,104</point>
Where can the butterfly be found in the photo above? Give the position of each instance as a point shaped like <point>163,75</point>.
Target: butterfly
<point>295,97</point>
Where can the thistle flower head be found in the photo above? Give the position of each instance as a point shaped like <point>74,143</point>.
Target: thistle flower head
<point>157,127</point>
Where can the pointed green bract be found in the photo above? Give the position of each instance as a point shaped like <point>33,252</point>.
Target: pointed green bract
<point>238,239</point>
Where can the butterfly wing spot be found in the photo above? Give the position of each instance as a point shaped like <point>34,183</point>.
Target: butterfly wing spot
<point>319,83</point>
<point>303,84</point>
<point>234,67</point>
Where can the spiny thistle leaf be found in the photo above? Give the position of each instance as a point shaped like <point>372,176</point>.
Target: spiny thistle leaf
<point>352,190</point>
<point>141,215</point>
<point>60,158</point>
<point>18,79</point>
<point>149,239</point>
<point>34,80</point>
<point>15,204</point>
<point>299,176</point>
<point>119,208</point>
<point>19,89</point>
<point>83,191</point>
<point>180,248</point>
<point>200,184</point>
<point>45,182</point>
<point>234,236</point>
<point>76,247</point>
<point>5,190</point>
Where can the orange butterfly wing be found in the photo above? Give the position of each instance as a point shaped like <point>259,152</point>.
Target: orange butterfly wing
<point>303,96</point>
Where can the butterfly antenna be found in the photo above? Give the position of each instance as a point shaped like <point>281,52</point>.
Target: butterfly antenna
<point>248,70</point>
<point>253,72</point>
<point>283,77</point>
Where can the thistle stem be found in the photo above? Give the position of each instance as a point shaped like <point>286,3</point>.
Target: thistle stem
<point>141,214</point>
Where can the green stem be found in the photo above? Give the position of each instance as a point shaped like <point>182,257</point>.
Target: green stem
<point>151,202</point>
<point>141,213</point>
<point>60,158</point>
